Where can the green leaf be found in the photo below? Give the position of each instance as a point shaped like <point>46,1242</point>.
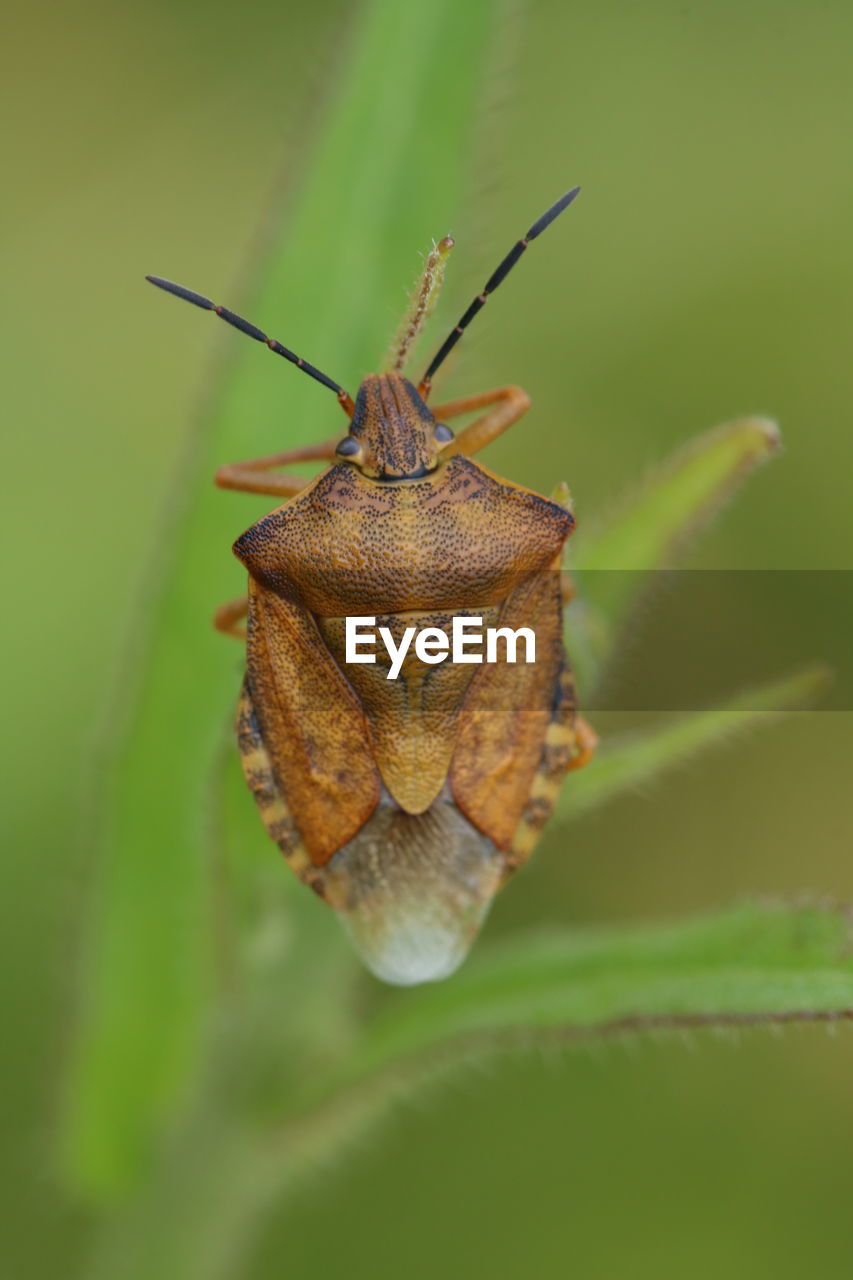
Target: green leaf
<point>750,964</point>
<point>754,964</point>
<point>652,529</point>
<point>382,178</point>
<point>626,763</point>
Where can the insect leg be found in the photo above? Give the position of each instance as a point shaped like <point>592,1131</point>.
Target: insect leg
<point>511,403</point>
<point>228,615</point>
<point>253,476</point>
<point>586,740</point>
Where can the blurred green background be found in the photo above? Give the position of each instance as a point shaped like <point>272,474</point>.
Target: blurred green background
<point>705,272</point>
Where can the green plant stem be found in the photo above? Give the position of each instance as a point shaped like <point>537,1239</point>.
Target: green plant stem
<point>380,182</point>
<point>625,764</point>
<point>652,529</point>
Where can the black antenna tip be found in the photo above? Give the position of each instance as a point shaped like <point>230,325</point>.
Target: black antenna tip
<point>188,295</point>
<point>552,213</point>
<point>498,275</point>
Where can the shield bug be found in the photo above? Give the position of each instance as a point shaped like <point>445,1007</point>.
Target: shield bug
<point>405,803</point>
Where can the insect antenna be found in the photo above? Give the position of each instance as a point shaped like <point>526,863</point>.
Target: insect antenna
<point>501,272</point>
<point>245,326</point>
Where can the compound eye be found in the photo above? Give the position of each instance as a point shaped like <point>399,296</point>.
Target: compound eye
<point>348,447</point>
<point>443,433</point>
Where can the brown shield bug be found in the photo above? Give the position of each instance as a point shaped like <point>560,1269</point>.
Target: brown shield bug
<point>406,786</point>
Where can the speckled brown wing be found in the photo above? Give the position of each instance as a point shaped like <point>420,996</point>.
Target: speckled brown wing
<point>312,724</point>
<point>507,711</point>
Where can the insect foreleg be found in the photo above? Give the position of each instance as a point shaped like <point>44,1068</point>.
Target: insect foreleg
<point>253,476</point>
<point>511,403</point>
<point>228,616</point>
